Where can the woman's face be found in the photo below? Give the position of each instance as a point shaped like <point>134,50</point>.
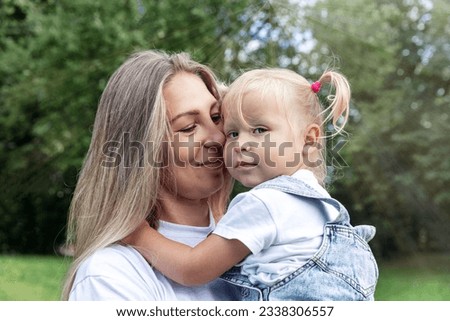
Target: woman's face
<point>194,115</point>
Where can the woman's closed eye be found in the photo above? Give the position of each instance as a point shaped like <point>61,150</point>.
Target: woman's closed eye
<point>188,129</point>
<point>216,118</point>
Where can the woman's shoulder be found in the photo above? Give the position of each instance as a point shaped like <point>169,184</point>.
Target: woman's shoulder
<point>112,258</point>
<point>118,272</point>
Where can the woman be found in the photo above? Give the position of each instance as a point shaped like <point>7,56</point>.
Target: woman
<point>155,154</point>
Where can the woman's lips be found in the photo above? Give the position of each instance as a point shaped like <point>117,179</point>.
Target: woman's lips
<point>245,165</point>
<point>215,163</point>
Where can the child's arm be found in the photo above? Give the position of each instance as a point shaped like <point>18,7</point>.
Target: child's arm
<point>183,264</point>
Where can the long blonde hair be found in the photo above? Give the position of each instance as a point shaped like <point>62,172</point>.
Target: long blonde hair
<point>294,94</point>
<point>111,197</point>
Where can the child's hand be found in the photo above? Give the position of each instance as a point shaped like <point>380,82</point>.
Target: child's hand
<point>140,234</point>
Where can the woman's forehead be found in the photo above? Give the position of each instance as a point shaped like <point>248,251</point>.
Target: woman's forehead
<point>186,92</point>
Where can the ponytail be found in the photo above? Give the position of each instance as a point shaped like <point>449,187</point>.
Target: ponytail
<point>339,102</point>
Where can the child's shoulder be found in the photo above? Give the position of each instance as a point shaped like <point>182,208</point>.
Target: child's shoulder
<point>302,182</point>
<point>259,196</point>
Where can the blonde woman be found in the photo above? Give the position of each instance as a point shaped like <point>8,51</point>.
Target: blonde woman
<point>155,154</point>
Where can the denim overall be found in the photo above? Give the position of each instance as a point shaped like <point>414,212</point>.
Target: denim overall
<point>343,269</point>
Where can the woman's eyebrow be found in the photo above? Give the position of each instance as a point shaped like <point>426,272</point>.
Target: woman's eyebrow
<point>194,112</point>
<point>215,104</point>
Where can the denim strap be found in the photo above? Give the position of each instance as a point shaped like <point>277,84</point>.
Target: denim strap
<point>292,185</point>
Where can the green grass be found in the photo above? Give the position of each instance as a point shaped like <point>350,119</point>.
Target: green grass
<point>31,278</point>
<point>417,278</point>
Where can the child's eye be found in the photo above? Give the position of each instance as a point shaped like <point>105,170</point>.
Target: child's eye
<point>232,134</point>
<point>259,130</point>
<point>216,118</point>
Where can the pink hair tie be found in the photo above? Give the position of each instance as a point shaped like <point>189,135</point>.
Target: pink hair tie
<point>315,86</point>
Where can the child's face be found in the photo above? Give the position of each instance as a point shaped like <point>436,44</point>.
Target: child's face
<point>265,146</point>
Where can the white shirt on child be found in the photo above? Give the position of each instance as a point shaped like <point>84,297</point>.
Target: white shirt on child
<point>282,231</point>
<point>120,273</point>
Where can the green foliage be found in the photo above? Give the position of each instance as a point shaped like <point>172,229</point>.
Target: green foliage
<point>55,60</point>
<point>397,60</point>
<point>56,56</point>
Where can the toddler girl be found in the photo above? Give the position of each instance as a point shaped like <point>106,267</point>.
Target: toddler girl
<point>287,237</point>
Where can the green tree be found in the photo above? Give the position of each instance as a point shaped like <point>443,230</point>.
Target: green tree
<point>56,56</point>
<point>397,59</point>
<point>55,59</point>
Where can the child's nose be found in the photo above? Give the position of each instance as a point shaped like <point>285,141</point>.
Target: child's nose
<point>242,148</point>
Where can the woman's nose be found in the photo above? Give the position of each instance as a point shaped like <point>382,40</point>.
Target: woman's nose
<point>215,136</point>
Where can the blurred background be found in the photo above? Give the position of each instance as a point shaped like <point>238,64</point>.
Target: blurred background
<point>391,171</point>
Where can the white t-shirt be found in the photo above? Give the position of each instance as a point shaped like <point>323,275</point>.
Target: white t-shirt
<point>121,273</point>
<point>283,231</point>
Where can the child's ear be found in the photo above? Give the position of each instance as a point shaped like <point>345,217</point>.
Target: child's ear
<point>312,134</point>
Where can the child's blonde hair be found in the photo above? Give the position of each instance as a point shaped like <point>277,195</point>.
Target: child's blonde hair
<point>298,99</point>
